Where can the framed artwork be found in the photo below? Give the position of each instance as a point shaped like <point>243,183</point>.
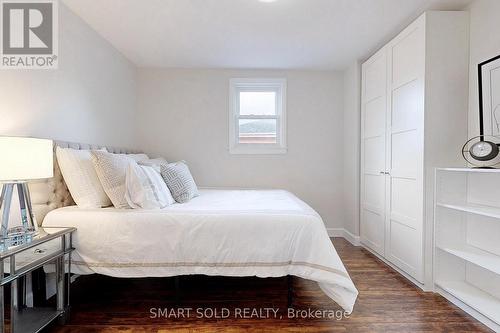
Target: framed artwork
<point>489,96</point>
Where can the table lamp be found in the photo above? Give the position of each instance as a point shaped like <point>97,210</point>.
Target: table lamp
<point>21,159</point>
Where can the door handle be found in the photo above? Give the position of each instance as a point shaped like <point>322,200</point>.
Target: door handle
<point>384,173</point>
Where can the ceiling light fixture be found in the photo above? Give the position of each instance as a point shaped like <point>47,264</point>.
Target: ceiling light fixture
<point>268,1</point>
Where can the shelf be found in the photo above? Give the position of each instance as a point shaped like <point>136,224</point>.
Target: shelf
<point>474,297</point>
<point>474,209</point>
<point>478,257</point>
<point>34,319</point>
<point>470,170</point>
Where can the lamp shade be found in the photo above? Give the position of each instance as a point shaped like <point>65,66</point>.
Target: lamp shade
<point>25,158</point>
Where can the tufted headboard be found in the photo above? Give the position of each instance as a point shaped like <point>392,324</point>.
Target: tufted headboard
<point>52,193</point>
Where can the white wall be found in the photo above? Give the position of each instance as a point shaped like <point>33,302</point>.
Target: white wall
<point>90,98</point>
<point>183,114</point>
<point>484,44</point>
<point>351,146</point>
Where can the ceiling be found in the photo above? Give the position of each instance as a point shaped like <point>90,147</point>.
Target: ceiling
<point>313,34</point>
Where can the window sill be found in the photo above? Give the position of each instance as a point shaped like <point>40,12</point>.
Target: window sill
<point>239,150</point>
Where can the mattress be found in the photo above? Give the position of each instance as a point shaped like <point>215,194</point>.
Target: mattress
<point>264,233</point>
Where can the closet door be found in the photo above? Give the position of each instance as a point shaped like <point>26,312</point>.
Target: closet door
<point>405,144</point>
<point>373,151</point>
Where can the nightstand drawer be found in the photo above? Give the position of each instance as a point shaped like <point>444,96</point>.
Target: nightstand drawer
<point>42,252</point>
<point>37,256</point>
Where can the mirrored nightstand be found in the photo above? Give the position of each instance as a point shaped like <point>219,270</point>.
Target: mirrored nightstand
<point>51,247</point>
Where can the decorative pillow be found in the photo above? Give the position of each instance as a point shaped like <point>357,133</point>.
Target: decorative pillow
<point>145,188</point>
<point>81,178</point>
<point>154,162</point>
<point>137,157</point>
<point>179,181</point>
<point>111,170</point>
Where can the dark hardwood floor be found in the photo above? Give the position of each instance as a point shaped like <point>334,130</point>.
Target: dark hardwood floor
<point>387,303</point>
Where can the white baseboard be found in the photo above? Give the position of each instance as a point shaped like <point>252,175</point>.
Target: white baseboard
<point>335,232</point>
<point>341,232</point>
<point>352,238</point>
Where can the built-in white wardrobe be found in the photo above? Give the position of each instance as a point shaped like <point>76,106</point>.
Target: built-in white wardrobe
<point>413,119</point>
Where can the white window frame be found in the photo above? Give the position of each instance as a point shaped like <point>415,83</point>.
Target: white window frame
<point>237,85</point>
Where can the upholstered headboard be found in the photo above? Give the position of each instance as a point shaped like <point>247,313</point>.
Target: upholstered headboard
<point>53,193</point>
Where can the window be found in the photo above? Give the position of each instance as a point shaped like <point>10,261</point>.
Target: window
<point>257,119</point>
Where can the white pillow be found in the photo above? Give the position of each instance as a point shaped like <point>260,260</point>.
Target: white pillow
<point>80,176</point>
<point>145,188</point>
<point>154,162</point>
<point>137,157</point>
<point>111,170</point>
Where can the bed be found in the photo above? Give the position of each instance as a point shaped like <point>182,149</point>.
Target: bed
<point>264,233</point>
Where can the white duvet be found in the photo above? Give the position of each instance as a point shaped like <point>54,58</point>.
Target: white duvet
<point>266,233</point>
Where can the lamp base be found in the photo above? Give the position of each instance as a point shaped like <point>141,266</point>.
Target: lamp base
<point>19,234</point>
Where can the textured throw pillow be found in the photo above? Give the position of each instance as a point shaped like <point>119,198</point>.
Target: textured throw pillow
<point>179,181</point>
<point>81,178</point>
<point>145,188</point>
<point>111,170</point>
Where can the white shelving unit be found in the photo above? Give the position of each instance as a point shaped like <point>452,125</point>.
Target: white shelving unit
<point>474,209</point>
<point>474,255</point>
<point>467,241</point>
<point>474,297</point>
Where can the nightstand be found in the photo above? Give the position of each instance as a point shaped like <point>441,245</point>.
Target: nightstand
<point>51,247</point>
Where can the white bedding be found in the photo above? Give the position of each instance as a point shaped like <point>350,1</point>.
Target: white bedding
<point>266,233</point>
